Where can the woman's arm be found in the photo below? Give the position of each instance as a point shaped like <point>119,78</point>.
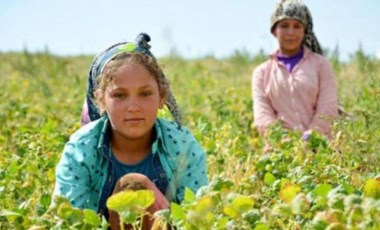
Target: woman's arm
<point>327,104</point>
<point>263,111</point>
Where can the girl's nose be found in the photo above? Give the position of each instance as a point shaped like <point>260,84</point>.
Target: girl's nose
<point>132,104</point>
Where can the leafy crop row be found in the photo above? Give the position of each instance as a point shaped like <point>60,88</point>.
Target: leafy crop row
<point>293,185</point>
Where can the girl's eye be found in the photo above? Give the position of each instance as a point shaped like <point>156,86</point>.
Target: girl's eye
<point>120,95</point>
<point>146,94</point>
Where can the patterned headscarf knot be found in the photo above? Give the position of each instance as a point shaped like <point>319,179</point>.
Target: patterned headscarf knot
<point>102,59</point>
<point>296,9</point>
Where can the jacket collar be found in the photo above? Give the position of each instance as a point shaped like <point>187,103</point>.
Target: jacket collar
<point>106,132</point>
<point>306,53</point>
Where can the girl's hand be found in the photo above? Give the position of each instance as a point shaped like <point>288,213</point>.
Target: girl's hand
<point>137,181</point>
<point>160,201</point>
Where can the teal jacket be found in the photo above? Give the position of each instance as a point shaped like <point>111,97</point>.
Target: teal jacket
<point>83,168</point>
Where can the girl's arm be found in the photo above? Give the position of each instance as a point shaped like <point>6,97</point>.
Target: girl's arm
<point>263,111</point>
<point>72,178</point>
<point>327,104</point>
<point>192,171</point>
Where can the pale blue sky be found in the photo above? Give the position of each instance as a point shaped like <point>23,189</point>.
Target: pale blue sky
<point>194,28</point>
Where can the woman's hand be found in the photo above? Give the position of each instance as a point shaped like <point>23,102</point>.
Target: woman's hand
<point>306,135</point>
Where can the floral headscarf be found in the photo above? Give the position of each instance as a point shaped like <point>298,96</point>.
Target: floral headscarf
<point>296,9</point>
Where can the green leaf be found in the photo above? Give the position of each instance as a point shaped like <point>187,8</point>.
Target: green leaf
<point>269,179</point>
<point>300,204</point>
<point>70,214</point>
<point>336,200</point>
<point>203,205</point>
<point>284,181</point>
<point>177,212</point>
<point>348,188</point>
<point>129,217</point>
<point>261,226</point>
<point>230,211</point>
<point>243,203</point>
<point>322,190</point>
<point>163,214</point>
<point>189,196</point>
<point>133,201</point>
<point>91,218</point>
<point>9,213</point>
<point>239,205</point>
<point>372,188</point>
<point>145,198</point>
<point>122,201</point>
<point>219,184</point>
<point>45,199</point>
<point>222,223</point>
<point>64,210</point>
<point>289,191</point>
<point>13,168</point>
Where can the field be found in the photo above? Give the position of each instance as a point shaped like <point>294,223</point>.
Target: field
<point>296,185</point>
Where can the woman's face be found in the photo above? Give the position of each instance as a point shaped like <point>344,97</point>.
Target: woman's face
<point>290,34</point>
<point>131,101</point>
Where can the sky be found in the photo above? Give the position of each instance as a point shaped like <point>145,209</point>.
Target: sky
<point>191,29</point>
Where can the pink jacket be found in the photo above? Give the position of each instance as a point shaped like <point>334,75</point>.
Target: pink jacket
<point>305,99</point>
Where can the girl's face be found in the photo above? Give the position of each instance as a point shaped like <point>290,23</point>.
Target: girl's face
<point>289,33</point>
<point>131,101</point>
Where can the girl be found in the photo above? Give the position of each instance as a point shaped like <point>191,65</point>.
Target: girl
<point>127,146</point>
<point>296,86</point>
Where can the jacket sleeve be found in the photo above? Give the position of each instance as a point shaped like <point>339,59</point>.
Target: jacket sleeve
<point>263,112</point>
<point>327,104</point>
<point>191,167</point>
<point>72,177</point>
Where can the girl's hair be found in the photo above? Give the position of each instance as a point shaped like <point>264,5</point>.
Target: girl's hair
<point>118,54</point>
<point>110,70</point>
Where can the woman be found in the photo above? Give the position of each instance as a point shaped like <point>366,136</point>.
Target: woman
<point>296,86</point>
